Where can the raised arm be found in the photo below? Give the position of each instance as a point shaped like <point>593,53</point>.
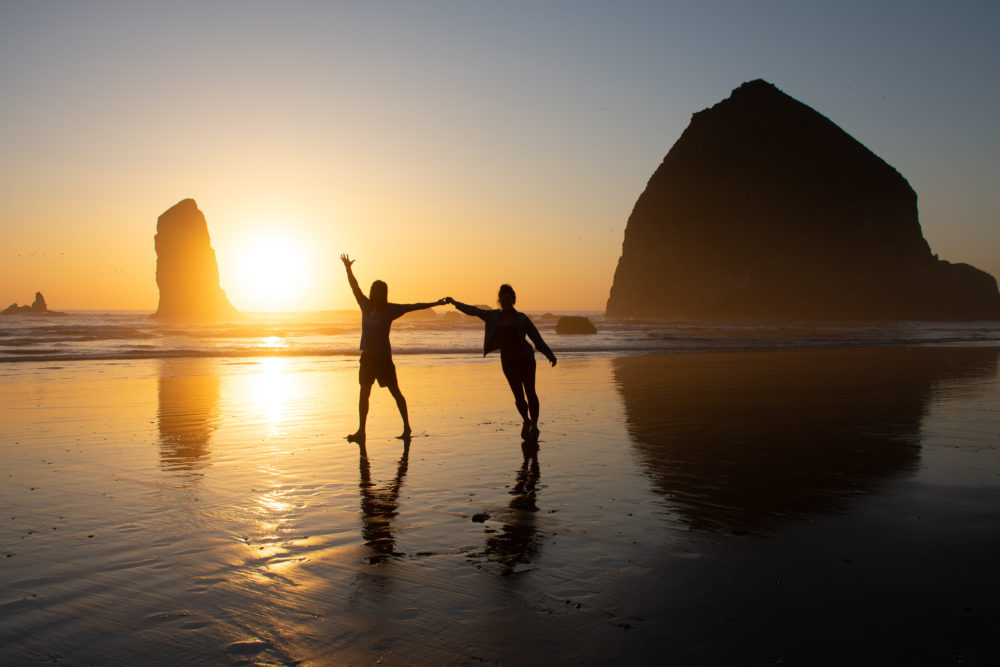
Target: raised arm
<point>363,301</point>
<point>540,345</point>
<point>467,309</point>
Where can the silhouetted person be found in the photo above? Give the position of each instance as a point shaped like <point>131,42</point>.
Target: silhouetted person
<point>505,331</point>
<point>377,315</point>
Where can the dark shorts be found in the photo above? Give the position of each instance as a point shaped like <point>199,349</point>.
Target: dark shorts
<point>377,367</point>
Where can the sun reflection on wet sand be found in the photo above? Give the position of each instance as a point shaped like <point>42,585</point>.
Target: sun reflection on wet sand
<point>270,389</point>
<point>274,509</point>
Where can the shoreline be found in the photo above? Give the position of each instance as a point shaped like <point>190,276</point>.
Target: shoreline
<point>465,354</point>
<point>83,338</point>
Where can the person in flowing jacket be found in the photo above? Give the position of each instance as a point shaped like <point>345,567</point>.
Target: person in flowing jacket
<point>506,329</point>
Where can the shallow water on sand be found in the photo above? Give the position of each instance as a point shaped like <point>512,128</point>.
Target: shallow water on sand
<point>702,508</point>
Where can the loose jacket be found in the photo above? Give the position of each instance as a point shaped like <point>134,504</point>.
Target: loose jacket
<point>524,325</point>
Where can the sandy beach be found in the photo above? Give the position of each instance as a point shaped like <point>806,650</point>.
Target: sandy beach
<point>800,507</point>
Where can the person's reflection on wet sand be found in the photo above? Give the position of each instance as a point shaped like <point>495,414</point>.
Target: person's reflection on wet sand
<point>519,541</point>
<point>188,412</point>
<point>379,506</point>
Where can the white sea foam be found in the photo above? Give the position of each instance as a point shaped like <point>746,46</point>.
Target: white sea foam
<point>133,335</point>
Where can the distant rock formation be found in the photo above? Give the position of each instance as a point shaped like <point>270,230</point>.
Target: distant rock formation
<point>480,306</point>
<point>422,314</point>
<point>575,324</point>
<point>766,209</point>
<point>36,308</point>
<point>187,272</point>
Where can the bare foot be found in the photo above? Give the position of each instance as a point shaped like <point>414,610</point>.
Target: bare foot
<point>358,437</point>
<point>405,435</point>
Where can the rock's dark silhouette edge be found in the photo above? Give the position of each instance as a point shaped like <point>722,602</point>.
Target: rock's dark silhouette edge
<point>575,324</point>
<point>187,272</point>
<point>39,307</point>
<point>765,209</point>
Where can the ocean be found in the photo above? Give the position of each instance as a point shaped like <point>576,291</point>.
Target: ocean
<point>110,335</point>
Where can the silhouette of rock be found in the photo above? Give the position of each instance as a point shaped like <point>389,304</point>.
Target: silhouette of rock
<point>36,308</point>
<point>423,314</point>
<point>481,306</point>
<point>574,324</point>
<point>187,272</point>
<point>766,209</point>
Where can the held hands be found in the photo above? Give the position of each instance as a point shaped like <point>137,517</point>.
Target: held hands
<point>441,302</point>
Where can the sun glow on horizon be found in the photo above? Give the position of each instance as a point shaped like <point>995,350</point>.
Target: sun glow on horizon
<point>270,272</point>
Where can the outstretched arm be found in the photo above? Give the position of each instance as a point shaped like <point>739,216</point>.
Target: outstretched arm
<point>362,300</point>
<point>420,306</point>
<point>540,345</point>
<point>467,309</point>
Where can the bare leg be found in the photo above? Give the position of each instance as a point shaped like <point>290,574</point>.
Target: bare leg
<point>529,387</point>
<point>522,405</point>
<point>401,404</point>
<point>363,396</point>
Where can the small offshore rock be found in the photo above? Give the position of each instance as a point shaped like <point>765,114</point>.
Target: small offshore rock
<point>575,324</point>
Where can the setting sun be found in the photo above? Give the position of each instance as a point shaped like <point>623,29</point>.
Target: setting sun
<point>270,272</point>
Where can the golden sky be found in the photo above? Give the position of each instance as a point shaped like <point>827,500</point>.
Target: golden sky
<point>447,146</point>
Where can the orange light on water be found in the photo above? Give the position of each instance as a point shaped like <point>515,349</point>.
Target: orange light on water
<point>273,343</point>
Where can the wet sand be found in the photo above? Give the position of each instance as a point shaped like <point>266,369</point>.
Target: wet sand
<point>821,507</point>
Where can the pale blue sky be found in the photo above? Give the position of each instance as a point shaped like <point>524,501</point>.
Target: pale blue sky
<point>408,130</point>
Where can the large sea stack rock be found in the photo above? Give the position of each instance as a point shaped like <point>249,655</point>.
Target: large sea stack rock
<point>187,272</point>
<point>766,209</point>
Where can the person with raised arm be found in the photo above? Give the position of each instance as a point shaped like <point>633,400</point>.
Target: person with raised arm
<point>506,329</point>
<point>377,315</point>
